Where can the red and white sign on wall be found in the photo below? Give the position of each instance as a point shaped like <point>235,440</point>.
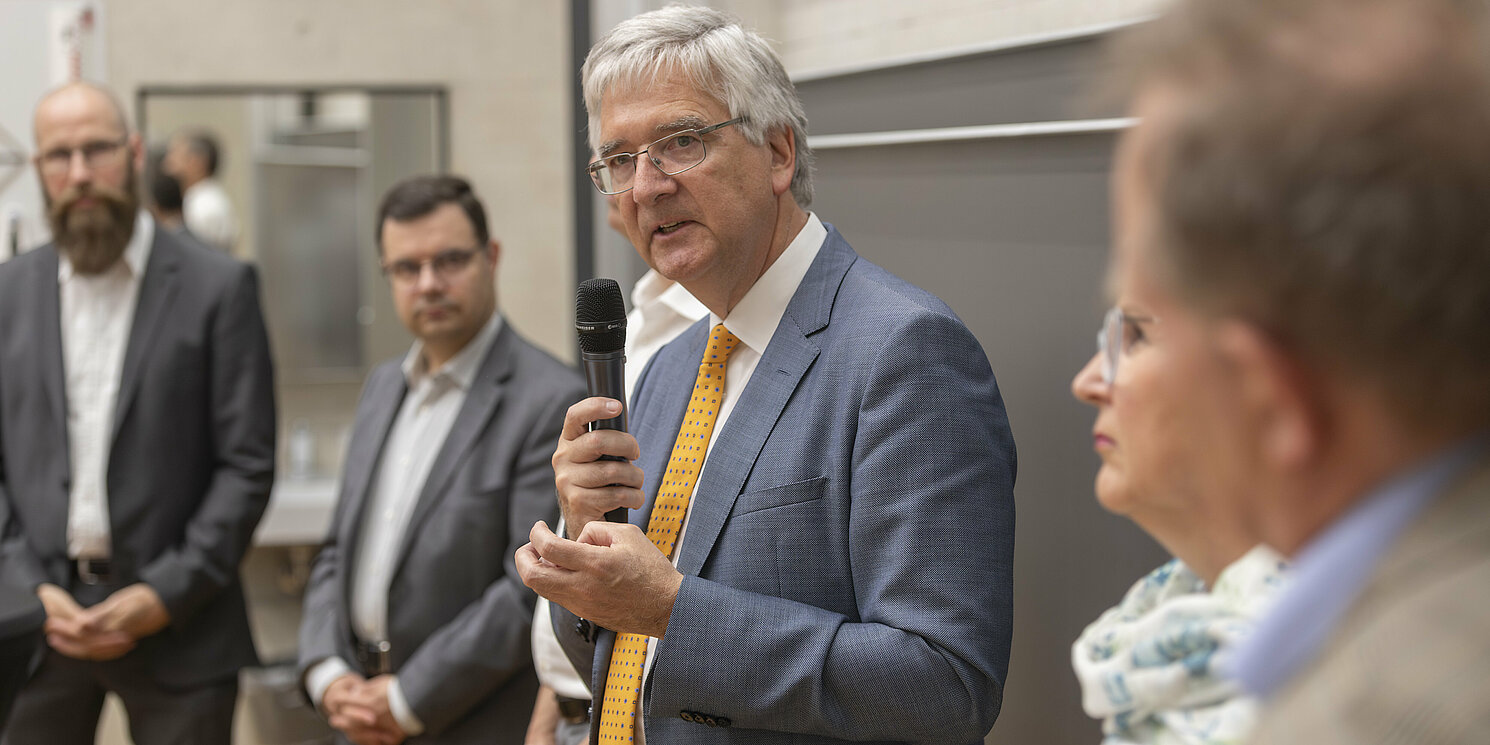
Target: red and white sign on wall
<point>72,42</point>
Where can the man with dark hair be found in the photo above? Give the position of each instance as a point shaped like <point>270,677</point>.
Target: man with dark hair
<point>192,157</point>
<point>415,619</point>
<point>1301,223</point>
<point>821,499</point>
<point>137,430</point>
<point>165,193</point>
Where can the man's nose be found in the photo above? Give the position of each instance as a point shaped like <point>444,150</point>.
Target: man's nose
<point>429,279</point>
<point>650,182</point>
<point>79,171</point>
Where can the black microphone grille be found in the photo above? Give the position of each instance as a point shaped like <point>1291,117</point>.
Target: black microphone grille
<point>600,316</point>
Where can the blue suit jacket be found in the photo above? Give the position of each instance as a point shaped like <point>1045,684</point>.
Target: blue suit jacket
<point>848,562</point>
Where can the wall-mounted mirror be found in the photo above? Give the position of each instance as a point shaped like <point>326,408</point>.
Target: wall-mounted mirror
<point>303,170</point>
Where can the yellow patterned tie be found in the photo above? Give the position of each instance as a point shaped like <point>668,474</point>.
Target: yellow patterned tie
<point>623,682</point>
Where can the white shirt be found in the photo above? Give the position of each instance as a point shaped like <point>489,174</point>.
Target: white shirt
<point>753,320</point>
<point>209,215</point>
<point>660,310</point>
<point>97,313</point>
<point>429,410</point>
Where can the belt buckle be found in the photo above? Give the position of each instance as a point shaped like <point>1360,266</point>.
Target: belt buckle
<point>94,571</point>
<point>376,656</point>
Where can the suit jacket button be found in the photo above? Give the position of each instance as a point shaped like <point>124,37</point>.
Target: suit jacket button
<point>711,721</point>
<point>723,721</point>
<point>687,716</point>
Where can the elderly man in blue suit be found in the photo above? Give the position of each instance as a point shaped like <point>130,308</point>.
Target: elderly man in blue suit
<point>821,474</point>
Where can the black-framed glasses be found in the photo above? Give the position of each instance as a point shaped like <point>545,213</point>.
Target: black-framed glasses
<point>1119,332</point>
<point>57,161</point>
<point>673,154</point>
<point>445,263</point>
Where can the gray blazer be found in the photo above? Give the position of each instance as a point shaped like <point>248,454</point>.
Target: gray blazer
<point>458,613</point>
<point>848,563</point>
<point>191,462</point>
<point>1410,662</point>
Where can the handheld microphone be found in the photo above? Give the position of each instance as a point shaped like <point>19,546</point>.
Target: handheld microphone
<point>600,321</point>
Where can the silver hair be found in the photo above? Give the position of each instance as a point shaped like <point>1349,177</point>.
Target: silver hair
<point>719,57</point>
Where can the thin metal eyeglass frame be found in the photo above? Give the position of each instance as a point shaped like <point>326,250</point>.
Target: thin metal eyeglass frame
<point>594,168</point>
<point>433,263</point>
<point>57,167</point>
<point>1110,340</point>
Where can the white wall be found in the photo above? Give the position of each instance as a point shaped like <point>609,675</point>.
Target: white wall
<point>504,62</point>
<point>819,34</point>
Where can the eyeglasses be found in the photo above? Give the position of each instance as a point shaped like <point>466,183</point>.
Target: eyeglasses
<point>446,264</point>
<point>673,154</point>
<point>1119,332</point>
<point>56,161</point>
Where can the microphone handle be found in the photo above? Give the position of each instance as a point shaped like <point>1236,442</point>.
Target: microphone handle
<point>605,375</point>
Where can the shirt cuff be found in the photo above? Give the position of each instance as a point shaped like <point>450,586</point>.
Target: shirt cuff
<point>402,712</point>
<point>322,675</point>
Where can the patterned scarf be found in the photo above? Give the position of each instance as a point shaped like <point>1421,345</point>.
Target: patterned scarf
<point>1149,667</point>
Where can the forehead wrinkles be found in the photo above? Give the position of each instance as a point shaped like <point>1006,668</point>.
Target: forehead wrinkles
<point>663,90</point>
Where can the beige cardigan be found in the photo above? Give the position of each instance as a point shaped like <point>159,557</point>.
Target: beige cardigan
<point>1410,661</point>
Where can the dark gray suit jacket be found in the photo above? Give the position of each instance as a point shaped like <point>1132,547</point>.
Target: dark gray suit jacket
<point>191,462</point>
<point>458,613</point>
<point>848,561</point>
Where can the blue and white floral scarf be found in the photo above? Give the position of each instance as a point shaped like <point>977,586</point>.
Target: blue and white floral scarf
<point>1149,667</point>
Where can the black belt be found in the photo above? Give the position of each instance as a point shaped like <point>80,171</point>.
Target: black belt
<point>574,710</point>
<point>374,657</point>
<point>94,571</point>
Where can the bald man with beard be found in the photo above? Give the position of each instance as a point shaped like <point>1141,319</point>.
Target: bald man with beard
<point>137,428</point>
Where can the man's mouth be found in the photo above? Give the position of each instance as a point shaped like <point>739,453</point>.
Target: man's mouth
<point>671,227</point>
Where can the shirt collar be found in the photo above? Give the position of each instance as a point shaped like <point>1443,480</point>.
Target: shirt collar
<point>461,369</point>
<point>754,319</point>
<point>650,291</point>
<point>136,252</point>
<point>1332,570</point>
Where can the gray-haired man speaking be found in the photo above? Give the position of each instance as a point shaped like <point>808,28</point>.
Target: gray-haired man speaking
<point>822,513</point>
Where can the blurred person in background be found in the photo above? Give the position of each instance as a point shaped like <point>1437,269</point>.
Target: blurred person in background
<point>165,194</point>
<point>1301,207</point>
<point>194,157</point>
<point>1151,667</point>
<point>137,430</point>
<point>416,623</point>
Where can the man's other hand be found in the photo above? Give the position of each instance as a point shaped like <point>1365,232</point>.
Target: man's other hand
<point>351,704</point>
<point>613,575</point>
<point>68,632</point>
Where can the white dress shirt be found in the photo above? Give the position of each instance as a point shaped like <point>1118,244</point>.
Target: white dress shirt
<point>208,214</point>
<point>660,310</point>
<point>97,313</point>
<point>753,321</point>
<point>429,409</point>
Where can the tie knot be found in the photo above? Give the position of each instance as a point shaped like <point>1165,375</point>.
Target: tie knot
<point>721,343</point>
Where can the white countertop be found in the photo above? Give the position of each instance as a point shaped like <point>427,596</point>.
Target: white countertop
<point>299,512</point>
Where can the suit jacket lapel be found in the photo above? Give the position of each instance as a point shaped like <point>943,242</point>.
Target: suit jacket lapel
<point>669,388</point>
<point>481,402</point>
<point>49,340</point>
<point>363,455</point>
<point>157,290</point>
<point>789,355</point>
